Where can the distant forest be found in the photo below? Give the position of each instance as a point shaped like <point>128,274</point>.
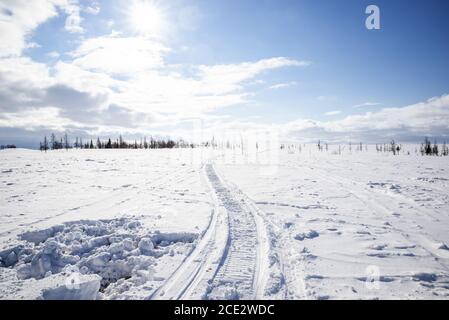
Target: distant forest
<point>8,146</point>
<point>55,143</point>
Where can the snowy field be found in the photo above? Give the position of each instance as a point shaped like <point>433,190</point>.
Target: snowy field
<point>214,224</point>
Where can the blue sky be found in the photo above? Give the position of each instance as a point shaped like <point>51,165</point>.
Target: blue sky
<point>309,68</point>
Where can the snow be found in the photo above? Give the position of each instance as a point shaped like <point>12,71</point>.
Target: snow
<point>307,235</point>
<point>336,218</point>
<point>53,287</point>
<point>159,224</point>
<point>114,250</point>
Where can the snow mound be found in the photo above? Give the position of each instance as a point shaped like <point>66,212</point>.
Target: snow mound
<point>39,236</point>
<point>119,252</point>
<point>62,286</point>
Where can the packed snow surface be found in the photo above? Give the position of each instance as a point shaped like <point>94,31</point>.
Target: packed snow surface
<point>223,224</point>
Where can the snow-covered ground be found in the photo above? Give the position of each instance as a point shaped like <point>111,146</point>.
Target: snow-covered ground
<point>223,224</point>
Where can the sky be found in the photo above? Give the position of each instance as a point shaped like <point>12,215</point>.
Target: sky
<point>305,69</point>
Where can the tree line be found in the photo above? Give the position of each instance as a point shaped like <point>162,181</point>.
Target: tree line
<point>8,146</point>
<point>54,143</point>
<point>425,149</point>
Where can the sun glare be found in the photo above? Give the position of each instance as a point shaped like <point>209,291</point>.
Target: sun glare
<point>146,18</point>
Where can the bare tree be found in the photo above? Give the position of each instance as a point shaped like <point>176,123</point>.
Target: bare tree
<point>45,144</point>
<point>66,142</point>
<point>53,142</point>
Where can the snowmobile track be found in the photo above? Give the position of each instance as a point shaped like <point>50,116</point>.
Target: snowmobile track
<point>227,262</point>
<point>236,276</point>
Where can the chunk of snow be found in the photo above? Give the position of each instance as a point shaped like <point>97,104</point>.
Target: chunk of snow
<point>167,238</point>
<point>41,235</point>
<point>85,288</point>
<point>146,246</point>
<point>307,235</point>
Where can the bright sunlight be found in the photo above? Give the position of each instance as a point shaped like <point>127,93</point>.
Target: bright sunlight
<point>146,17</point>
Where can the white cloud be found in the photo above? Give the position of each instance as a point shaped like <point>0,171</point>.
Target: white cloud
<point>366,104</point>
<point>153,86</point>
<point>53,54</point>
<point>332,113</point>
<point>18,18</point>
<point>114,54</point>
<point>228,78</point>
<point>32,45</point>
<point>72,97</point>
<point>408,123</point>
<point>35,118</point>
<point>421,116</point>
<point>157,91</point>
<point>93,8</point>
<point>206,89</point>
<point>283,85</point>
<point>24,71</point>
<point>85,80</point>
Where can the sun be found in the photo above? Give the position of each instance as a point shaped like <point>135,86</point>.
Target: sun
<point>146,18</point>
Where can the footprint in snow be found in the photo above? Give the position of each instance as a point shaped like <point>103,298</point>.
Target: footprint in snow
<point>426,277</point>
